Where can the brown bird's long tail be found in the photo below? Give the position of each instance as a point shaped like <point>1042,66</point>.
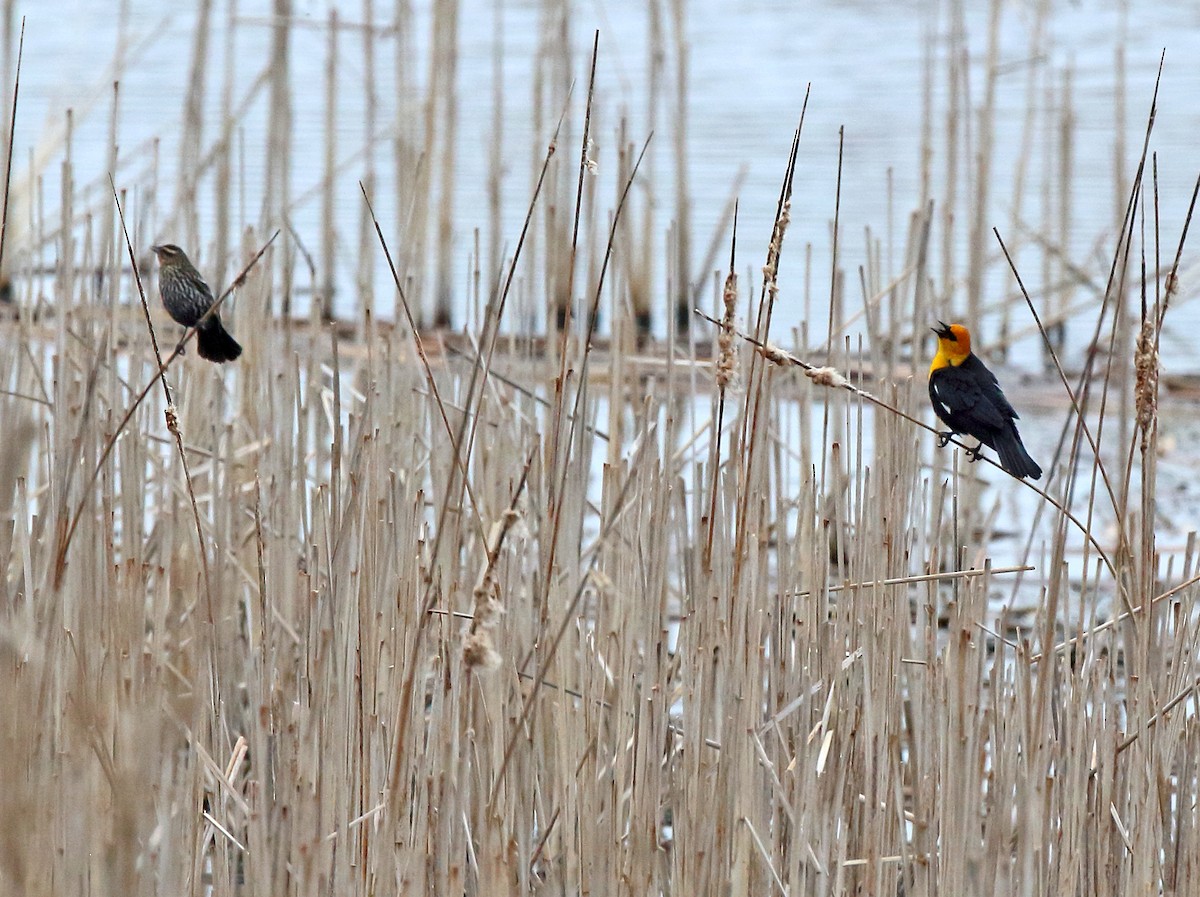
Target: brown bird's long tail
<point>214,343</point>
<point>1013,456</point>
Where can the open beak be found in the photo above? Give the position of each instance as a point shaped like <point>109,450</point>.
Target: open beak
<point>942,330</point>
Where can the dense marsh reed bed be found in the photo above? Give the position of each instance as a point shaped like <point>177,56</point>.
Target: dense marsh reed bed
<point>381,609</point>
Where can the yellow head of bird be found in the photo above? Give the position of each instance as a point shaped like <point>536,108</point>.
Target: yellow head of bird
<point>954,345</point>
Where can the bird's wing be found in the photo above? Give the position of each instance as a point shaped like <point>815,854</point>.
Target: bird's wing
<point>960,395</point>
<point>990,386</point>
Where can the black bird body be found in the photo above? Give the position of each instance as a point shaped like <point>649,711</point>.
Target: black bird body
<point>968,398</point>
<point>187,298</point>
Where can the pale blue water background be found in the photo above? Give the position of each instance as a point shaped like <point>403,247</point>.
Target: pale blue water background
<point>750,63</point>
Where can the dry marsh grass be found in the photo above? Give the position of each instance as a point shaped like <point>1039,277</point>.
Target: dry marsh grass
<point>378,610</point>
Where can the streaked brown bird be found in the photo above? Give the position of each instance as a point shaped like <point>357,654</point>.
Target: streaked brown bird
<point>186,298</point>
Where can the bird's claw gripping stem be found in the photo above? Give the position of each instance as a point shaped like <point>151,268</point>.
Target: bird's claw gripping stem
<point>944,437</point>
<point>974,454</point>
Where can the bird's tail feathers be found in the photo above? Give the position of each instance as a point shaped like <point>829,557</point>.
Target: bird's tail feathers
<point>215,344</point>
<point>1013,456</point>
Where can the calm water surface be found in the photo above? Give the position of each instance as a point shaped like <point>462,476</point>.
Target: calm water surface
<point>750,64</point>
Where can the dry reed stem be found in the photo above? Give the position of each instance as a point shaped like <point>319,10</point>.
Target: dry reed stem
<point>12,133</point>
<point>64,541</point>
<point>408,684</point>
<point>1083,387</point>
<point>552,648</point>
<point>1122,617</point>
<point>748,442</point>
<point>561,491</point>
<point>910,580</point>
<point>1172,283</point>
<point>170,411</point>
<point>475,359</point>
<point>833,254</point>
<point>566,317</point>
<point>830,377</point>
<point>430,381</point>
<point>726,368</point>
<point>584,167</point>
<point>1075,404</point>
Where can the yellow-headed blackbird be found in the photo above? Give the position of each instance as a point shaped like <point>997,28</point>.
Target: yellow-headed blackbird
<point>186,298</point>
<point>967,397</point>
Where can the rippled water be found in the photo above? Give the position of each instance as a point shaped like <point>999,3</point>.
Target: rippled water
<point>750,64</point>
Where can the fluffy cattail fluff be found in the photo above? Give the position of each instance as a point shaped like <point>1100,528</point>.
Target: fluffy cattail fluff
<point>776,247</point>
<point>1145,365</point>
<point>478,650</point>
<point>726,357</point>
<point>488,607</point>
<point>771,268</point>
<point>830,377</point>
<point>1172,287</point>
<point>774,354</point>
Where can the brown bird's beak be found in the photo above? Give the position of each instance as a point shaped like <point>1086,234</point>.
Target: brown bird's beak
<point>157,250</point>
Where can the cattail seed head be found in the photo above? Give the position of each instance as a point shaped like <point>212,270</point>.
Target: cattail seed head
<point>1145,365</point>
<point>726,357</point>
<point>478,653</point>
<point>774,354</point>
<point>830,377</point>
